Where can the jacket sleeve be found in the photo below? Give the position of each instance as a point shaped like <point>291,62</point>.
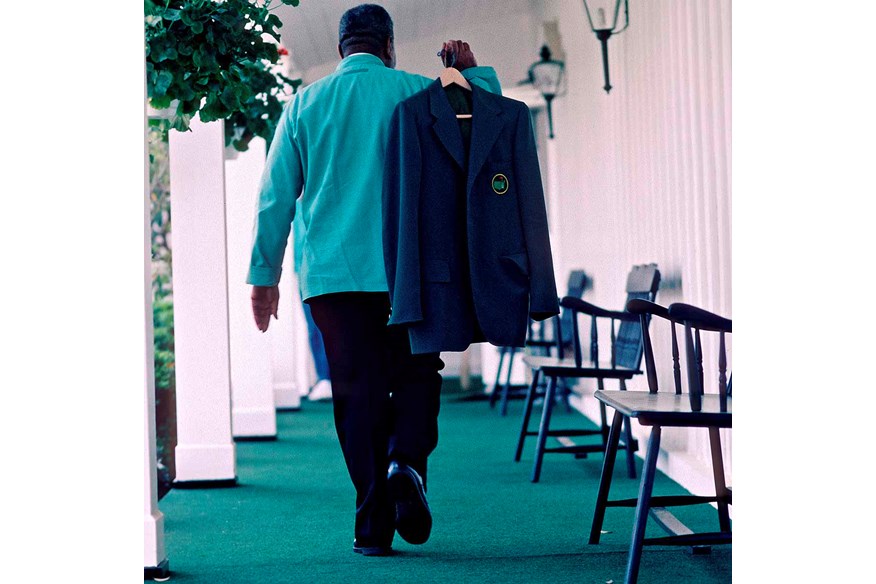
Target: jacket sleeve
<point>281,184</point>
<point>543,302</point>
<point>401,235</point>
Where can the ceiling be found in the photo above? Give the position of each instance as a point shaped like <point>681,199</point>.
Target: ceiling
<point>504,31</point>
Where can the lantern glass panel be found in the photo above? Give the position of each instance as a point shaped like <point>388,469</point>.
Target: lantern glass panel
<point>603,14</point>
<point>546,76</point>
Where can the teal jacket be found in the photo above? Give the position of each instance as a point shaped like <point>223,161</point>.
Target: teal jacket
<point>329,149</point>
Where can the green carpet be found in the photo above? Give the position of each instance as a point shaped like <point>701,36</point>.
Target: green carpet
<point>290,519</point>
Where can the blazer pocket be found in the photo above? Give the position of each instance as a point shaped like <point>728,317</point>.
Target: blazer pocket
<point>518,260</point>
<point>436,270</point>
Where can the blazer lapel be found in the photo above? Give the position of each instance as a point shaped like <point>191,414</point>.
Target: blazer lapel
<point>446,127</point>
<point>486,126</point>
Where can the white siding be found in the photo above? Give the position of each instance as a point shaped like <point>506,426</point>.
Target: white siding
<point>643,173</point>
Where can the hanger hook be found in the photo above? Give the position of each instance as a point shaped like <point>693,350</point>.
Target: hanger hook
<point>443,54</point>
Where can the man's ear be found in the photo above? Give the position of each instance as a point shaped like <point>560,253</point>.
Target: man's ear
<point>387,49</point>
<point>389,53</point>
<point>340,51</point>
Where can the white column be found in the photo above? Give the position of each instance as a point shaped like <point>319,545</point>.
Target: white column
<point>291,361</point>
<point>252,397</point>
<point>554,205</point>
<point>154,555</point>
<point>205,449</point>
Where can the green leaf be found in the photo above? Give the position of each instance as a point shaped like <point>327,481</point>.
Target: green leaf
<point>198,57</point>
<point>214,109</point>
<point>162,83</point>
<point>186,16</point>
<point>185,92</point>
<point>191,106</point>
<point>160,102</point>
<point>180,123</point>
<point>230,97</point>
<point>166,53</point>
<point>274,21</point>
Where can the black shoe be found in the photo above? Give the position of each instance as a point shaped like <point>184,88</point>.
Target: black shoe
<point>413,519</point>
<point>372,550</point>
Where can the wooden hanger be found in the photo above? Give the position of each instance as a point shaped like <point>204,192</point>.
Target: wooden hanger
<point>450,75</point>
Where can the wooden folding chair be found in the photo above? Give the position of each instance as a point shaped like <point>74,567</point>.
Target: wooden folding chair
<point>626,357</point>
<point>697,408</point>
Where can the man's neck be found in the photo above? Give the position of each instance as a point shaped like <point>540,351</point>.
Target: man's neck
<point>357,53</point>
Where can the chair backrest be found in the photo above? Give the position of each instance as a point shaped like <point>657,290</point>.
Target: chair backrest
<point>579,282</point>
<point>642,283</point>
<point>696,322</point>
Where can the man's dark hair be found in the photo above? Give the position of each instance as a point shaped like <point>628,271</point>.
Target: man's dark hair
<point>366,25</point>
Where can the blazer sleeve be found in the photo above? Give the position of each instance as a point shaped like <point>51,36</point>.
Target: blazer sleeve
<point>484,77</point>
<point>543,302</point>
<point>281,184</point>
<point>401,236</point>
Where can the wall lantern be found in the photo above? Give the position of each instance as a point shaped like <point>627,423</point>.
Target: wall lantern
<point>546,76</point>
<point>602,15</point>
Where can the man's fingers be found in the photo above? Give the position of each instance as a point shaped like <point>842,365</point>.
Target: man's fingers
<point>262,322</point>
<point>262,315</point>
<point>265,302</point>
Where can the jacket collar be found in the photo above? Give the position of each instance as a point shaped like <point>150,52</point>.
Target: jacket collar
<point>486,125</point>
<point>359,61</point>
<point>445,125</point>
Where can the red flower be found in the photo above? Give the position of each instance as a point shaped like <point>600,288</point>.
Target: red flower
<point>282,51</point>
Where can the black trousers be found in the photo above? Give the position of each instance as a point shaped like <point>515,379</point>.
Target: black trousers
<point>385,399</point>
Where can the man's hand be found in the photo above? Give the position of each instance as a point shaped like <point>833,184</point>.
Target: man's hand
<point>265,301</point>
<point>464,57</point>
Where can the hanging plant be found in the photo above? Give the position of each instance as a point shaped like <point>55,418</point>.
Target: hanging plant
<point>215,59</point>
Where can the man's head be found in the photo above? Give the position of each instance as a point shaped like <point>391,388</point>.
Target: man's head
<point>367,28</point>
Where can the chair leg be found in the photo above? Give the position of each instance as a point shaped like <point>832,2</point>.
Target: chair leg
<point>544,427</point>
<point>643,506</point>
<point>628,437</point>
<point>527,412</point>
<point>495,395</point>
<point>567,391</point>
<point>603,418</point>
<point>605,478</point>
<point>506,389</point>
<point>630,448</point>
<point>720,481</point>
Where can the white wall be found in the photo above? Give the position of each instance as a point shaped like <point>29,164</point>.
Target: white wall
<point>506,42</point>
<point>644,172</point>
